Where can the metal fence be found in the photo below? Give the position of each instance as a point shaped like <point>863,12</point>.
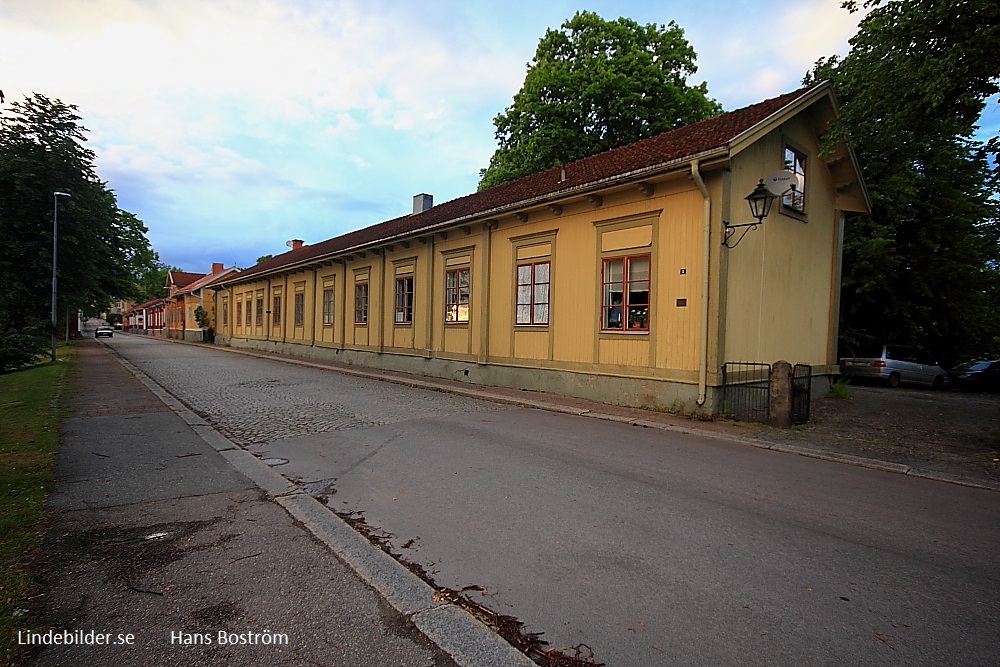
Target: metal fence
<point>801,393</point>
<point>746,390</point>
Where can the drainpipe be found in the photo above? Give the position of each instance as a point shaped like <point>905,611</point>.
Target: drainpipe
<point>346,310</point>
<point>313,313</point>
<point>706,252</point>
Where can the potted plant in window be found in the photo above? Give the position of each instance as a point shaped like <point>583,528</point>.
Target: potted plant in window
<point>637,318</point>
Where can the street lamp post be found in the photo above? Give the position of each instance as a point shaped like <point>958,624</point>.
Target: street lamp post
<point>55,247</point>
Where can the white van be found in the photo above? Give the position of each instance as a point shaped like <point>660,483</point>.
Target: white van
<point>895,365</point>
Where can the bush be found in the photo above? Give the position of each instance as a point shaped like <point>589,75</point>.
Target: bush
<point>841,389</point>
<point>23,347</point>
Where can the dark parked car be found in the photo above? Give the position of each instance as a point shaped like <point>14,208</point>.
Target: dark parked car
<point>104,331</point>
<point>976,376</point>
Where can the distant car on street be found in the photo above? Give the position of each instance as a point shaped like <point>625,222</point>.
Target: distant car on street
<point>895,365</point>
<point>104,331</point>
<point>976,376</point>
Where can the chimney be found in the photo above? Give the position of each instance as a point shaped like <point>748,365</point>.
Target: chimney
<point>422,202</point>
<point>217,267</point>
<point>295,244</point>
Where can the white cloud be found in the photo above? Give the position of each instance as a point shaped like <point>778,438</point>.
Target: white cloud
<point>358,161</point>
<point>228,120</point>
<point>757,50</point>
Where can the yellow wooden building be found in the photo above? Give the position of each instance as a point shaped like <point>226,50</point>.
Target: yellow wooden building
<point>613,277</point>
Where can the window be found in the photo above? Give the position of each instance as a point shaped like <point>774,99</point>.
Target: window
<point>456,295</point>
<point>404,300</point>
<point>532,293</point>
<point>225,312</point>
<point>276,311</point>
<point>796,163</point>
<point>239,313</point>
<point>249,319</point>
<point>361,303</point>
<point>327,306</point>
<point>260,311</point>
<point>300,308</point>
<point>625,291</point>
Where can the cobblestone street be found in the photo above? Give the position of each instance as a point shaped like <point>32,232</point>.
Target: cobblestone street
<point>253,403</point>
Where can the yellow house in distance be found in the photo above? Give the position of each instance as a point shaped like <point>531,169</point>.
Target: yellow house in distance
<point>616,277</point>
<point>186,292</point>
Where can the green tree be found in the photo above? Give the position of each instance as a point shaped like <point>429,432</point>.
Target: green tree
<point>924,267</point>
<point>595,85</point>
<point>153,279</point>
<point>102,248</point>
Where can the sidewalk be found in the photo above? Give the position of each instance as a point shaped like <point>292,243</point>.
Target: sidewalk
<point>169,546</point>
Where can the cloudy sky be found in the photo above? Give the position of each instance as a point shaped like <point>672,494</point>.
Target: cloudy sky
<point>231,126</point>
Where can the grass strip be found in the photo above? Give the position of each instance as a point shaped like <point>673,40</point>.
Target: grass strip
<point>29,432</point>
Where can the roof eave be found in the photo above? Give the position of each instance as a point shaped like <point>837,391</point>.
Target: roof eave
<point>779,116</point>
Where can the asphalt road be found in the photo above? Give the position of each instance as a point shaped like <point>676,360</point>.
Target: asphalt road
<point>650,547</point>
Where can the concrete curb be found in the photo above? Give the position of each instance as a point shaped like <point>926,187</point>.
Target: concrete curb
<point>453,629</point>
<point>469,642</point>
<point>874,464</point>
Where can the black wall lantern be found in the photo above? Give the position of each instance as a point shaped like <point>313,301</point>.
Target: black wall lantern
<point>760,201</point>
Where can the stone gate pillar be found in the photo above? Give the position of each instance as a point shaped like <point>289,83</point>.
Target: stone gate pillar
<point>780,406</point>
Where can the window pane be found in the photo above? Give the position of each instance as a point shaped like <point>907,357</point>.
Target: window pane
<point>524,275</point>
<point>613,271</point>
<point>542,293</point>
<point>613,313</point>
<point>524,294</point>
<point>361,303</point>
<point>796,162</point>
<point>523,314</point>
<point>542,272</point>
<point>457,295</point>
<point>542,314</point>
<point>638,317</point>
<point>638,268</point>
<point>639,299</point>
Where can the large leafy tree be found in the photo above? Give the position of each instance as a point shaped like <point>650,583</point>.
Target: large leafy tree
<point>102,248</point>
<point>924,267</point>
<point>153,279</point>
<point>595,85</point>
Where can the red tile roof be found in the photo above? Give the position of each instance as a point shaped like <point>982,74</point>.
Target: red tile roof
<point>633,159</point>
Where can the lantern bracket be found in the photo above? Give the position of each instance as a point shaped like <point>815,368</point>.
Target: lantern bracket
<point>760,201</point>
